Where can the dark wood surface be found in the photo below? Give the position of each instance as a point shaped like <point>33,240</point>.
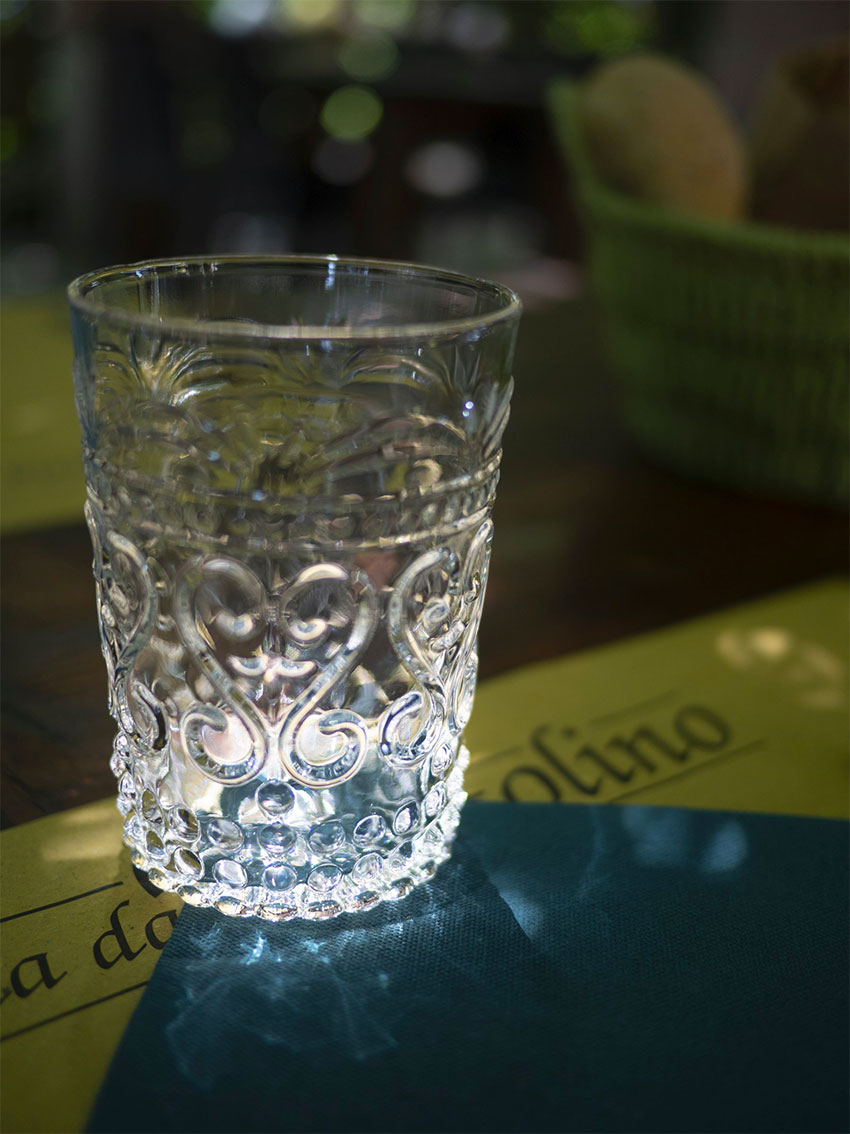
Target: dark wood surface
<point>592,544</point>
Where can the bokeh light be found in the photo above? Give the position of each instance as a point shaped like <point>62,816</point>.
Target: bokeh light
<point>310,14</point>
<point>444,169</point>
<point>604,27</point>
<point>368,57</point>
<point>393,15</point>
<point>477,27</point>
<point>11,8</point>
<point>238,17</point>
<point>351,112</point>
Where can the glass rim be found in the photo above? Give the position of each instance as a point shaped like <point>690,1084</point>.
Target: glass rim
<point>505,307</point>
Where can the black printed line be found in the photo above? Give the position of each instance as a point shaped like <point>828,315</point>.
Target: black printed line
<point>72,1011</point>
<point>651,702</point>
<point>739,751</point>
<point>61,902</point>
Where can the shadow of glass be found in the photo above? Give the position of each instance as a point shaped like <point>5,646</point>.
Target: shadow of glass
<point>570,969</point>
<point>388,991</point>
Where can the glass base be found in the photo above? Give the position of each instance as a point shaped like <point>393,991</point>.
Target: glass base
<point>343,883</point>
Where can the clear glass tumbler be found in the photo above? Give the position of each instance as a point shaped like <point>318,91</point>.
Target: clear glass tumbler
<point>290,467</point>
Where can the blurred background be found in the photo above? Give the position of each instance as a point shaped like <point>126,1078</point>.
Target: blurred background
<point>408,129</point>
<point>413,129</point>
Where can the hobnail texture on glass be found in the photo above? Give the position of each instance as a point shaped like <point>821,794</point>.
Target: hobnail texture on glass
<point>290,468</point>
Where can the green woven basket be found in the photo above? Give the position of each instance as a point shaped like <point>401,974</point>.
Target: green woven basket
<point>731,341</point>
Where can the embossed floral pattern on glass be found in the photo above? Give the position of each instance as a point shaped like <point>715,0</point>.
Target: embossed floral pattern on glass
<point>291,465</point>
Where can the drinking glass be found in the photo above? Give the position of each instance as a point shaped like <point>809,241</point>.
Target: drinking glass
<point>290,467</point>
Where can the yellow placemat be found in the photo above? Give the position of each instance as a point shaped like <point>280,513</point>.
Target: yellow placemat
<point>79,937</point>
<point>745,710</point>
<point>41,474</point>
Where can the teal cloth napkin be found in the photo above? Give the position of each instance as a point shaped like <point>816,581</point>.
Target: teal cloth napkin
<point>571,969</point>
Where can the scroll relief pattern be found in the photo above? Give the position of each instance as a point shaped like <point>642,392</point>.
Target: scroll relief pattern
<point>280,666</point>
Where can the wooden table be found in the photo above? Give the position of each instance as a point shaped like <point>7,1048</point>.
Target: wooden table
<point>592,544</point>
